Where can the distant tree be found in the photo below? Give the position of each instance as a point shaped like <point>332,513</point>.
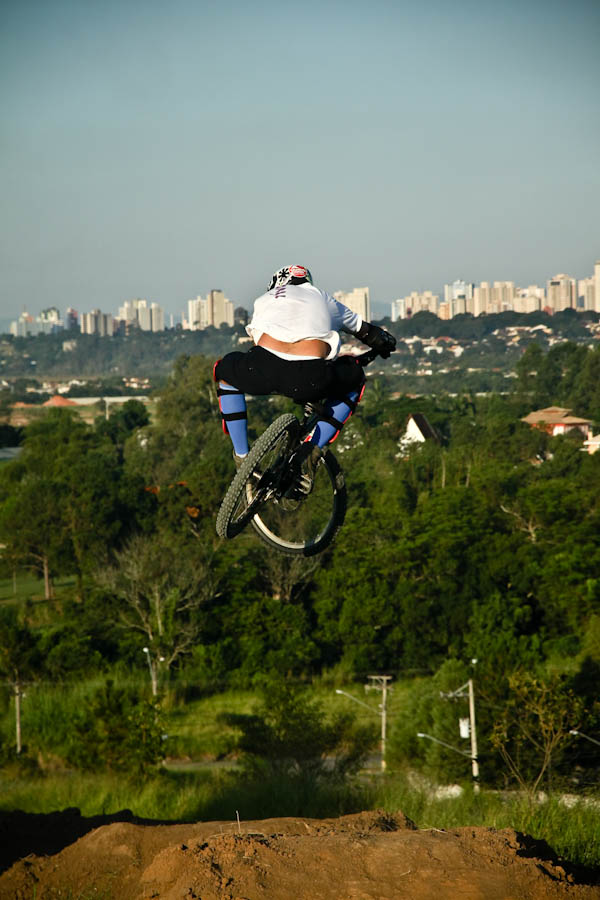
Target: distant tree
<point>534,725</point>
<point>19,660</point>
<point>9,436</point>
<point>161,587</point>
<point>505,632</point>
<point>584,392</point>
<point>289,734</point>
<point>187,417</point>
<point>62,509</point>
<point>31,527</point>
<point>117,731</point>
<point>282,577</point>
<point>528,368</point>
<point>123,422</point>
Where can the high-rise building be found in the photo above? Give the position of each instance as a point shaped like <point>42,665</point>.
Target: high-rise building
<point>88,322</point>
<point>71,319</point>
<point>97,322</point>
<point>597,286</point>
<point>503,296</point>
<point>358,300</point>
<point>482,299</point>
<point>529,299</point>
<point>414,303</point>
<point>157,317</point>
<point>194,314</point>
<point>143,315</point>
<point>586,293</point>
<point>459,297</point>
<point>214,309</point>
<point>398,309</point>
<point>221,310</point>
<point>128,312</point>
<point>49,320</point>
<point>148,317</point>
<point>561,293</point>
<point>25,325</point>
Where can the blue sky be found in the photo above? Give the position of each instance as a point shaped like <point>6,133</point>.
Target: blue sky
<point>159,150</point>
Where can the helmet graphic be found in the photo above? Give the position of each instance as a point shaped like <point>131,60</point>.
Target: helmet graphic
<point>290,275</point>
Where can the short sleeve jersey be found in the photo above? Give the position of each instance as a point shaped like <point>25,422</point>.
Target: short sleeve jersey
<point>296,312</point>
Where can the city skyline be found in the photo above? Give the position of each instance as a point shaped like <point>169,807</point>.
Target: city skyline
<point>585,287</point>
<point>380,307</point>
<point>148,149</point>
<point>561,291</point>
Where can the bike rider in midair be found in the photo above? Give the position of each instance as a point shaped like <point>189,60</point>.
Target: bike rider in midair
<point>295,328</point>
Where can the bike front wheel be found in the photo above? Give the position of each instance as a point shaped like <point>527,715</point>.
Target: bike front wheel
<point>258,476</point>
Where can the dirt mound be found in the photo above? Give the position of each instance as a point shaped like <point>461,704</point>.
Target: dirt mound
<point>368,856</point>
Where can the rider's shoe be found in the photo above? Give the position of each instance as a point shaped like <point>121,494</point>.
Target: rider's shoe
<point>238,460</point>
<point>304,462</point>
<point>254,476</point>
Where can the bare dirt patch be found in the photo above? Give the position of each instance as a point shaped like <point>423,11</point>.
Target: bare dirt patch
<point>367,856</point>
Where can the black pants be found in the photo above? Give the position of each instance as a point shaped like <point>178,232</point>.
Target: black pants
<point>259,372</point>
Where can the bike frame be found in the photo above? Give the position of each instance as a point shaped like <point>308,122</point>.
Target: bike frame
<point>313,411</point>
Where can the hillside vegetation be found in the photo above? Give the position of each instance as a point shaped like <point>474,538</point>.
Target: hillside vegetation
<point>485,546</point>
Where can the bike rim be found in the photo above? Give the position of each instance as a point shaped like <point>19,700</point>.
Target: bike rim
<point>304,526</point>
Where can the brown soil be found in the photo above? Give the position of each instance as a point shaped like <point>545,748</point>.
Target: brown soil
<point>367,856</point>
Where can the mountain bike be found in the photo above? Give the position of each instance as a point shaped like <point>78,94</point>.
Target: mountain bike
<point>294,508</point>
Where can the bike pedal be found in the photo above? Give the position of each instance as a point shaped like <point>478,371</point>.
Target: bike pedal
<point>305,484</point>
<point>301,488</point>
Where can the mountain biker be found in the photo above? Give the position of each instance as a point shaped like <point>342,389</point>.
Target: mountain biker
<point>295,328</point>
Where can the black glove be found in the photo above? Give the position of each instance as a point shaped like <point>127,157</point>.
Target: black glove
<point>377,338</point>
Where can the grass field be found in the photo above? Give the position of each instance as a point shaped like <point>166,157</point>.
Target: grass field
<point>28,587</point>
<point>571,828</point>
<point>573,832</point>
<point>196,730</point>
<point>195,726</point>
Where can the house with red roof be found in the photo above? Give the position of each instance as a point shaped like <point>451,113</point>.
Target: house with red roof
<point>58,400</point>
<point>557,420</point>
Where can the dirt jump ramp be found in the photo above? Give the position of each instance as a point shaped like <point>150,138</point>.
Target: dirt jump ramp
<point>367,856</point>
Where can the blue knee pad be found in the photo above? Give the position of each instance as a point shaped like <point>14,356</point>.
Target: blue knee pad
<point>338,413</point>
<point>234,416</point>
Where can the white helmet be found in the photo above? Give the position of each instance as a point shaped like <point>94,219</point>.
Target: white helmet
<point>290,275</point>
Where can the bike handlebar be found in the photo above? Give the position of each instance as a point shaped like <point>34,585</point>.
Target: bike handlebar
<point>365,358</point>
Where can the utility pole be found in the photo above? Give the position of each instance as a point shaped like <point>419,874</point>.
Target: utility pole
<point>468,690</point>
<point>153,666</point>
<point>380,683</point>
<point>18,713</point>
<point>473,730</point>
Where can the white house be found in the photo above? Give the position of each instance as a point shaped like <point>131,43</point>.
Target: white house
<point>418,430</point>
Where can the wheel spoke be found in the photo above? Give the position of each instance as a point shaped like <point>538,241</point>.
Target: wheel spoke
<point>293,514</point>
<point>305,526</point>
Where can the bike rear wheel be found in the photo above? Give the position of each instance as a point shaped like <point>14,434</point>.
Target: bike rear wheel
<point>260,494</point>
<point>306,527</point>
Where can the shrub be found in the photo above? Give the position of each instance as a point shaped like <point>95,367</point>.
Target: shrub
<point>117,732</point>
<point>289,735</point>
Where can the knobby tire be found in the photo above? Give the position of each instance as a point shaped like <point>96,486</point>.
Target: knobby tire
<point>228,524</point>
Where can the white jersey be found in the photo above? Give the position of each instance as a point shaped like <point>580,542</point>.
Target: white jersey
<point>296,312</point>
